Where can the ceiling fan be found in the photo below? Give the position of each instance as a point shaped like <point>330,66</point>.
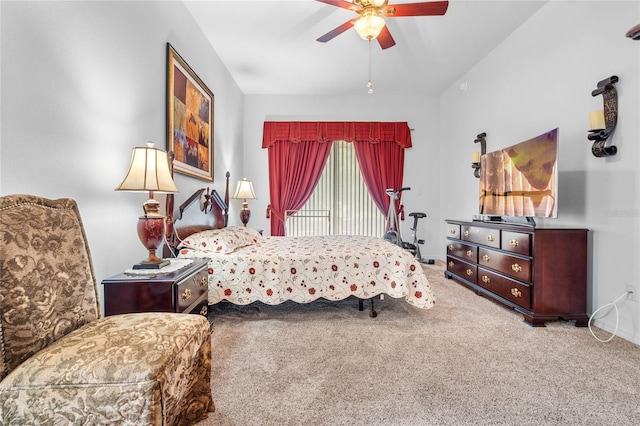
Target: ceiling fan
<point>369,24</point>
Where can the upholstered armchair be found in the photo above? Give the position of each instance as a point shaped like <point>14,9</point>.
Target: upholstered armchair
<point>60,362</point>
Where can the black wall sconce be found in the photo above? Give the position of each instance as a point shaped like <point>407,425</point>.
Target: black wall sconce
<point>475,164</point>
<point>603,122</point>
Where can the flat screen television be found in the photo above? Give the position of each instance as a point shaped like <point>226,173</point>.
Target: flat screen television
<point>521,180</point>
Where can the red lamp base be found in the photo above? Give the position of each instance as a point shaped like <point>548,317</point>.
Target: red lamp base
<point>245,214</point>
<point>151,234</point>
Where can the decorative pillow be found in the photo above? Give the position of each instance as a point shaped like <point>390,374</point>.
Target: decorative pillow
<point>224,240</point>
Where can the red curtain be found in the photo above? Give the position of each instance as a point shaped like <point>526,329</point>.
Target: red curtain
<point>379,149</point>
<point>294,171</point>
<point>329,131</point>
<point>382,166</point>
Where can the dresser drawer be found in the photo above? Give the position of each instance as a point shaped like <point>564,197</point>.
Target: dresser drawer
<point>485,236</point>
<point>517,292</point>
<point>463,251</point>
<point>453,231</point>
<point>516,242</point>
<point>191,289</point>
<point>513,266</point>
<point>462,269</point>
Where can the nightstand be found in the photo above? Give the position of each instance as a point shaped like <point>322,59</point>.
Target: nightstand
<point>182,291</point>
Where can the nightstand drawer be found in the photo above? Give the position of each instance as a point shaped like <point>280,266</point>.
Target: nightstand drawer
<point>183,291</point>
<point>190,290</point>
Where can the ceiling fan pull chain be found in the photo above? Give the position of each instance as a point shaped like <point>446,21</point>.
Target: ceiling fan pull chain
<point>370,84</point>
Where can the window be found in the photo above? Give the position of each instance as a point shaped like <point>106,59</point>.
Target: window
<point>340,203</point>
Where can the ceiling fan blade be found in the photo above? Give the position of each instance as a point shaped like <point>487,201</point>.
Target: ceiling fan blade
<point>337,31</point>
<point>416,9</point>
<point>384,38</point>
<point>343,4</point>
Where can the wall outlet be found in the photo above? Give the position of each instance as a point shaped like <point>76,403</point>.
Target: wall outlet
<point>635,295</point>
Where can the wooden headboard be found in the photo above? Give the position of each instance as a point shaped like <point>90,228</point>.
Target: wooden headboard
<point>209,202</point>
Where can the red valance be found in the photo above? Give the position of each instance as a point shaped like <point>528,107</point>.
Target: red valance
<point>326,131</point>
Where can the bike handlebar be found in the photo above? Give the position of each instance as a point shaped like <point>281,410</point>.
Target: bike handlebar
<point>397,191</point>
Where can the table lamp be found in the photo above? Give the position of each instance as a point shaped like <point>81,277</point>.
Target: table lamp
<point>244,191</point>
<point>149,171</point>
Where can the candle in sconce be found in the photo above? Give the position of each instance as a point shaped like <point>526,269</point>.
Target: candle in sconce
<point>476,157</point>
<point>596,120</point>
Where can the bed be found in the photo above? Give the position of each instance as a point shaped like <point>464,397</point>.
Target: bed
<point>247,267</point>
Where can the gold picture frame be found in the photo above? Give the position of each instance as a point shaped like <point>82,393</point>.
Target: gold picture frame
<point>189,119</point>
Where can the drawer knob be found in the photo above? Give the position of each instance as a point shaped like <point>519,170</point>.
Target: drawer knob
<point>516,267</point>
<point>453,231</point>
<point>516,292</point>
<point>486,279</point>
<point>486,258</point>
<point>203,281</point>
<point>514,243</point>
<point>466,233</point>
<point>204,310</point>
<point>451,264</point>
<point>490,238</point>
<point>450,247</point>
<point>470,253</point>
<point>186,294</point>
<point>469,272</point>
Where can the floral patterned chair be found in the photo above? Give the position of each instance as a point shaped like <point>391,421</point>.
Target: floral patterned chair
<point>60,362</point>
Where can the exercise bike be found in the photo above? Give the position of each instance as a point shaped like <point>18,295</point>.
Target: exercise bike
<point>393,233</point>
<point>393,229</point>
<point>416,242</point>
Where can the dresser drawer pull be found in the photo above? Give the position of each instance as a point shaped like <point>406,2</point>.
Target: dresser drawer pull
<point>453,231</point>
<point>514,243</point>
<point>490,238</point>
<point>470,253</point>
<point>486,279</point>
<point>469,272</point>
<point>486,258</point>
<point>203,281</point>
<point>516,292</point>
<point>516,267</point>
<point>451,264</point>
<point>204,310</point>
<point>466,233</point>
<point>186,294</point>
<point>450,247</point>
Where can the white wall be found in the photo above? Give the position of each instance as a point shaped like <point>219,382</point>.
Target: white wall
<point>82,84</point>
<point>421,161</point>
<point>540,78</point>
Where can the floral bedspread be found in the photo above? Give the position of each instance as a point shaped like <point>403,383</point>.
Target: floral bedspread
<point>303,269</point>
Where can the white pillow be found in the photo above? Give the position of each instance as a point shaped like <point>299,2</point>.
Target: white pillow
<point>224,240</point>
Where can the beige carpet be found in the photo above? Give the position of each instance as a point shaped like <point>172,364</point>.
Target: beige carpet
<point>466,361</point>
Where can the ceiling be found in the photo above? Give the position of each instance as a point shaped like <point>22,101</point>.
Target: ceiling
<point>270,47</point>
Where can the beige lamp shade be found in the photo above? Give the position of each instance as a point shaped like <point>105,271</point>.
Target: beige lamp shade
<point>244,190</point>
<point>148,171</point>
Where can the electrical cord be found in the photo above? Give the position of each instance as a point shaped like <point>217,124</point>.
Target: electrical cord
<point>175,235</point>
<point>617,317</point>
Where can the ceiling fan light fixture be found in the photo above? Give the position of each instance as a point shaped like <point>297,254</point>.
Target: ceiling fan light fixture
<point>369,25</point>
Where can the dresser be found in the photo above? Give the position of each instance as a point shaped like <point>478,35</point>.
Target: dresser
<point>539,272</point>
<point>182,291</point>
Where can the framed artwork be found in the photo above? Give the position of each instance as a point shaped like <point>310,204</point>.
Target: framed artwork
<point>189,119</point>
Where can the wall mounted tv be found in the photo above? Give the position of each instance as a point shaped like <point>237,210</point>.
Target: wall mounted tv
<point>521,180</point>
